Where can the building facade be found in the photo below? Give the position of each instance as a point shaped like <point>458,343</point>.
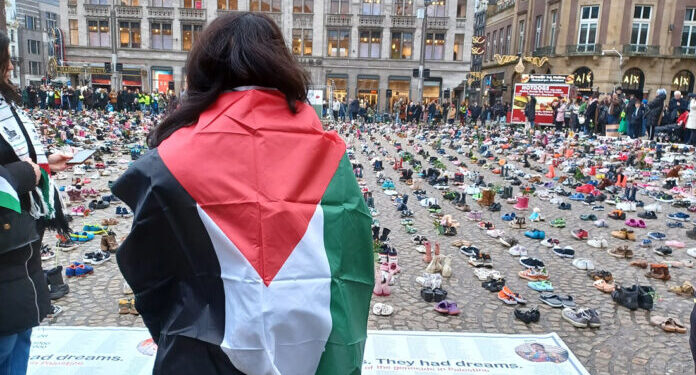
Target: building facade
<point>12,31</point>
<point>36,20</point>
<point>357,48</point>
<point>653,46</point>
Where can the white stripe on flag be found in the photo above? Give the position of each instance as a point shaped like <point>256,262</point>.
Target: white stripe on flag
<point>7,188</point>
<point>282,328</point>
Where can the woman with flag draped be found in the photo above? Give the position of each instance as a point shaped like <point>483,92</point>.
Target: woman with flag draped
<point>251,247</point>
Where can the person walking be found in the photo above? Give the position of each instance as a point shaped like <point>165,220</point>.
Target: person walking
<point>262,262</point>
<point>655,111</point>
<point>31,205</point>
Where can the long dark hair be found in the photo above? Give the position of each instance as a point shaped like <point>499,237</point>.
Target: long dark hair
<point>7,89</point>
<point>240,49</point>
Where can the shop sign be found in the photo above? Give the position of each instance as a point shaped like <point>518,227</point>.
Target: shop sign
<point>547,78</point>
<point>79,69</point>
<point>584,79</point>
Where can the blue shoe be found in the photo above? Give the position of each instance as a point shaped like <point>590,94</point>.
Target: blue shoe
<point>646,243</point>
<point>577,197</point>
<point>118,210</point>
<point>509,217</point>
<point>680,216</point>
<point>657,236</point>
<point>675,224</point>
<point>541,286</point>
<point>535,234</point>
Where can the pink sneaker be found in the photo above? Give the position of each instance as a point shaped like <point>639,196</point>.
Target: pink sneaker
<point>677,244</point>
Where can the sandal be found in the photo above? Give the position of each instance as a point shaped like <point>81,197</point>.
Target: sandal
<point>672,325</point>
<point>686,289</point>
<point>604,286</point>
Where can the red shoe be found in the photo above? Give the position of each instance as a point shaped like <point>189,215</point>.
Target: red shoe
<point>580,234</point>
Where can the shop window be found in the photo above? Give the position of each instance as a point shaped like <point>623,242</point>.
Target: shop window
<point>340,6</point>
<point>370,43</point>
<point>99,35</point>
<point>437,9</point>
<point>74,33</point>
<point>340,87</point>
<point>161,35</point>
<point>688,39</point>
<point>302,42</point>
<point>461,8</point>
<point>434,46</point>
<point>129,34</point>
<point>227,4</point>
<point>189,35</point>
<point>272,6</point>
<point>371,7</point>
<point>401,45</point>
<point>403,7</point>
<point>338,42</point>
<point>458,54</point>
<point>303,6</point>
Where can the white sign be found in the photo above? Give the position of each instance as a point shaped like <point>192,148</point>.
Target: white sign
<point>130,351</point>
<point>315,97</point>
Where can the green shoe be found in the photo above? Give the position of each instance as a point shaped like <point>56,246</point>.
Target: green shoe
<point>558,223</point>
<point>410,229</point>
<point>406,221</point>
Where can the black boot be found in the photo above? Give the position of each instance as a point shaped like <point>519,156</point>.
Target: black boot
<point>632,195</point>
<point>526,162</point>
<point>385,235</point>
<point>56,287</point>
<point>375,233</point>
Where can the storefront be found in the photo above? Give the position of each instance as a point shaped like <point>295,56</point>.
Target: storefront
<point>584,79</point>
<point>400,87</point>
<point>339,82</point>
<point>162,79</point>
<point>101,81</point>
<point>683,82</point>
<point>633,82</point>
<point>432,88</point>
<point>493,84</point>
<point>131,79</point>
<point>368,89</point>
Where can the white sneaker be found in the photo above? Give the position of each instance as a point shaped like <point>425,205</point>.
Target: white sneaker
<point>518,250</point>
<point>598,243</point>
<point>653,207</point>
<point>126,288</point>
<point>691,252</point>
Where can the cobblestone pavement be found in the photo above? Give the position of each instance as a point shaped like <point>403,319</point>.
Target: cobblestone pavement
<point>625,344</point>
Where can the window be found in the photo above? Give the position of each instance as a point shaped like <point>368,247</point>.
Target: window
<point>161,35</point>
<point>488,47</point>
<point>74,34</point>
<point>303,6</point>
<point>520,43</point>
<point>99,35</point>
<point>34,68</point>
<point>437,9</point>
<point>131,3</point>
<point>193,4</point>
<point>495,42</point>
<point>587,36</point>
<point>537,33</point>
<point>403,7</point>
<point>552,30</point>
<point>302,42</point>
<point>12,36</point>
<point>129,34</point>
<point>641,26</point>
<point>265,6</point>
<point>458,47</point>
<point>370,43</point>
<point>189,35</point>
<point>371,7</point>
<point>51,20</point>
<point>33,47</point>
<point>340,6</point>
<point>508,35</point>
<point>98,2</point>
<point>401,45</point>
<point>688,42</point>
<point>434,46</point>
<point>501,41</point>
<point>338,42</point>
<point>31,23</point>
<point>169,3</point>
<point>12,52</point>
<point>461,8</point>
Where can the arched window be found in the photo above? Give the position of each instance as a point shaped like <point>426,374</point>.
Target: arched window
<point>683,81</point>
<point>584,79</point>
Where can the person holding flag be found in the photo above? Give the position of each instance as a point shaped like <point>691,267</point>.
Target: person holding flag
<point>251,248</point>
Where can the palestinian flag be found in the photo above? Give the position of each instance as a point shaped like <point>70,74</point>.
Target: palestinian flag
<point>257,213</point>
<point>8,194</point>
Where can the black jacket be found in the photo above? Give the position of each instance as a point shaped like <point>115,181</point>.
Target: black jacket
<point>23,286</point>
<point>530,109</point>
<point>655,107</point>
<point>635,117</point>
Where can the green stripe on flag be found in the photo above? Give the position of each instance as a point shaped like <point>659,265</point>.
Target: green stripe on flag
<point>9,201</point>
<point>348,244</point>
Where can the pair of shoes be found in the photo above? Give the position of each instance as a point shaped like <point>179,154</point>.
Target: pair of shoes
<point>77,269</point>
<point>127,306</point>
<point>447,307</point>
<point>557,300</point>
<point>123,212</point>
<point>535,234</point>
<point>510,298</point>
<point>96,257</point>
<point>528,315</point>
<point>581,318</point>
<point>494,285</point>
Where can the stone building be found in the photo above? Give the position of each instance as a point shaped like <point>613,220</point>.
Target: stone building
<point>35,20</point>
<point>638,45</point>
<point>361,48</point>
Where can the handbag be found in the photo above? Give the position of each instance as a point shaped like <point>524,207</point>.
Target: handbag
<point>581,119</point>
<point>622,126</point>
<point>16,230</point>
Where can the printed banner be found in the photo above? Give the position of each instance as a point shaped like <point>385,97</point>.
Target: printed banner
<point>130,351</point>
<point>547,95</point>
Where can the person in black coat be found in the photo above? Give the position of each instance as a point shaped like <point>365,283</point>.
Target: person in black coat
<point>23,285</point>
<point>530,110</point>
<point>654,112</point>
<point>635,111</point>
<point>418,113</point>
<point>353,109</point>
<point>677,106</point>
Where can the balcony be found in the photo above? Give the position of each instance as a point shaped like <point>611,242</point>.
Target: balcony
<point>640,50</point>
<point>403,21</point>
<point>94,10</point>
<point>160,12</point>
<point>461,23</point>
<point>192,14</point>
<point>370,21</point>
<point>222,12</point>
<point>124,11</point>
<point>302,21</point>
<point>339,20</point>
<point>437,23</point>
<point>543,51</point>
<point>584,49</point>
<point>72,10</point>
<point>685,52</point>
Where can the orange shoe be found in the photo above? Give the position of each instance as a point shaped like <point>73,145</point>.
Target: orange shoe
<point>508,300</point>
<point>534,275</point>
<point>514,296</point>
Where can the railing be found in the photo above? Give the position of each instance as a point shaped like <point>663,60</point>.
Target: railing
<point>222,12</point>
<point>94,10</point>
<point>685,52</point>
<point>403,21</point>
<point>192,14</point>
<point>302,21</point>
<point>437,22</point>
<point>543,51</point>
<point>339,19</point>
<point>641,50</point>
<point>369,20</point>
<point>125,11</point>
<point>160,12</point>
<point>72,10</point>
<point>501,6</point>
<point>461,23</point>
<point>584,49</point>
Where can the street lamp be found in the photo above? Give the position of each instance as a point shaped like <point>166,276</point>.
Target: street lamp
<point>421,65</point>
<point>604,52</point>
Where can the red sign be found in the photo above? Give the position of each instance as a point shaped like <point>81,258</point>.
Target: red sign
<point>545,94</point>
